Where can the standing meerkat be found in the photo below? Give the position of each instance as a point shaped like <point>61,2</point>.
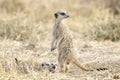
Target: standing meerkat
<point>63,42</point>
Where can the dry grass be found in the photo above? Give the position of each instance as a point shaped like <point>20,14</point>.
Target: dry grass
<point>25,34</point>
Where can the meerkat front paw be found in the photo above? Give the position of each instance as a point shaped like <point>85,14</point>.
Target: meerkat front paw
<point>52,49</point>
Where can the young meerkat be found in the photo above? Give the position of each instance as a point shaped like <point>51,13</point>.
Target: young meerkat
<point>64,43</point>
<point>25,66</point>
<point>51,67</point>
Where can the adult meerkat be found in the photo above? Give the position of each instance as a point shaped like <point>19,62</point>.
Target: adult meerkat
<point>63,41</point>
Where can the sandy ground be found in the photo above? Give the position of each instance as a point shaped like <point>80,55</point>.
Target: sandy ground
<point>93,54</point>
<point>96,55</point>
<point>31,28</point>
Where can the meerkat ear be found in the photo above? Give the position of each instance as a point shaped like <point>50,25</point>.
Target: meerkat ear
<point>56,16</point>
<point>16,60</point>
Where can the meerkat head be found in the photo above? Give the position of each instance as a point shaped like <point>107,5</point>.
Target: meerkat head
<point>49,66</point>
<point>61,15</point>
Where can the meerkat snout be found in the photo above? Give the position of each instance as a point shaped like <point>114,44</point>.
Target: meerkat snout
<point>61,14</point>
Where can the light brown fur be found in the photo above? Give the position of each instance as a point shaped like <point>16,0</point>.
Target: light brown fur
<point>63,41</point>
<point>26,66</point>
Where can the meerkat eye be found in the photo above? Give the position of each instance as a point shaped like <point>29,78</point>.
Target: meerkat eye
<point>51,63</point>
<point>62,14</point>
<point>47,64</point>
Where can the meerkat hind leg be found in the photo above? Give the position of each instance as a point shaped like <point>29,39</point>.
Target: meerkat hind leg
<point>66,66</point>
<point>63,68</point>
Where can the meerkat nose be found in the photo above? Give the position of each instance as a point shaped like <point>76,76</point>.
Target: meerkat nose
<point>54,67</point>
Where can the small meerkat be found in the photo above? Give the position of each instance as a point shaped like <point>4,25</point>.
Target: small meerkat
<point>25,66</point>
<point>62,40</point>
<point>51,67</point>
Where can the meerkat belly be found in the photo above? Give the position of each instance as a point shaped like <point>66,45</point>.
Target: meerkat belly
<point>65,45</point>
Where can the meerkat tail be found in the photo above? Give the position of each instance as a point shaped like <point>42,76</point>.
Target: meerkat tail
<point>77,63</point>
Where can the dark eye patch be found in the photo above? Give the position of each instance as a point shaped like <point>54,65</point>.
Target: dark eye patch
<point>43,65</point>
<point>51,63</point>
<point>47,64</point>
<point>62,14</point>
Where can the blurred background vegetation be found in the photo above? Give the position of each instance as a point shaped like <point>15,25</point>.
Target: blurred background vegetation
<point>32,20</point>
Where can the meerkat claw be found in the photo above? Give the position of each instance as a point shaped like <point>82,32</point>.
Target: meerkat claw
<point>52,49</point>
